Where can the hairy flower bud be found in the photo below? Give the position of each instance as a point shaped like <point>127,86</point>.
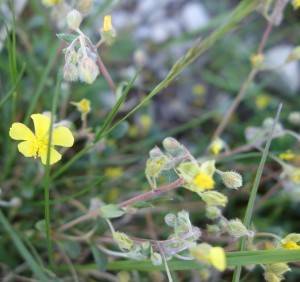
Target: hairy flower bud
<point>212,212</point>
<point>74,19</point>
<point>278,268</point>
<point>123,241</point>
<point>237,229</point>
<point>84,6</point>
<point>156,152</point>
<point>70,72</point>
<point>271,277</point>
<point>232,179</point>
<point>214,198</point>
<point>294,118</point>
<point>88,70</point>
<point>170,219</point>
<point>171,145</point>
<point>156,258</point>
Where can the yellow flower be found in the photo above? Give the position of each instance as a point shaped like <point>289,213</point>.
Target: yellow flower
<point>216,146</point>
<point>290,245</point>
<point>295,176</point>
<point>36,145</point>
<point>208,254</point>
<point>50,3</point>
<point>203,181</point>
<point>257,60</point>
<point>262,101</point>
<point>114,172</point>
<point>296,4</point>
<point>287,156</point>
<point>84,106</point>
<point>107,25</point>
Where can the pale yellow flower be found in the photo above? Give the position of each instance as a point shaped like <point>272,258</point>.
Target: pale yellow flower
<point>36,145</point>
<point>51,3</point>
<point>290,245</point>
<point>208,254</point>
<point>83,106</point>
<point>296,4</point>
<point>107,25</point>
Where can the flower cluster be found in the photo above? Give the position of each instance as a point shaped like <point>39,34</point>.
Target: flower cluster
<point>81,57</point>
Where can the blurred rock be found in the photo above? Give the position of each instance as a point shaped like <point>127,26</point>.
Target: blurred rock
<point>194,16</point>
<point>287,77</point>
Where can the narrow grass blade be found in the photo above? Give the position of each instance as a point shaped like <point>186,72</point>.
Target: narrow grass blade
<point>249,210</point>
<point>35,267</point>
<point>233,259</point>
<point>42,83</point>
<point>12,90</point>
<point>47,174</point>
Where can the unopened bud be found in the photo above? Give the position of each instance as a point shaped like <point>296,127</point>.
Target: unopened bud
<point>232,179</point>
<point>123,241</point>
<point>70,72</point>
<point>124,276</point>
<point>74,19</point>
<point>294,118</point>
<point>15,202</point>
<point>271,277</point>
<point>214,198</point>
<point>84,6</point>
<point>156,259</point>
<point>237,229</point>
<point>156,152</point>
<point>154,166</point>
<point>257,60</point>
<point>213,229</point>
<point>171,145</point>
<point>88,70</point>
<point>268,123</point>
<point>278,268</point>
<point>212,212</point>
<point>170,219</point>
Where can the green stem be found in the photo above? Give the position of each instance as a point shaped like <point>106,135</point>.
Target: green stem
<point>249,210</point>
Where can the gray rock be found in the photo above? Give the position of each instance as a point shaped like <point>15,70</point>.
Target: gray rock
<point>287,77</point>
<point>194,16</point>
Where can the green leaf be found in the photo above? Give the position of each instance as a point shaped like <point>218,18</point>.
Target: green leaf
<point>112,211</point>
<point>41,226</point>
<point>69,38</point>
<point>99,257</point>
<point>141,205</point>
<point>72,248</point>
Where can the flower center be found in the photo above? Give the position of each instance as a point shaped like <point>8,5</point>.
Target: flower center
<point>204,181</point>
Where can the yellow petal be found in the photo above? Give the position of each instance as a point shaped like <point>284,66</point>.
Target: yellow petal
<point>62,136</point>
<point>218,258</point>
<point>41,125</point>
<point>54,156</point>
<point>20,131</point>
<point>27,148</point>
